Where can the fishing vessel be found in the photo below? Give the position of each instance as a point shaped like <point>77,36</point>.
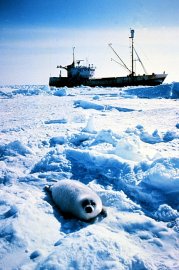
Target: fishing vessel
<point>78,74</point>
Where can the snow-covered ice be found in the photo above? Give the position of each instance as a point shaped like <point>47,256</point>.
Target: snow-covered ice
<point>123,143</point>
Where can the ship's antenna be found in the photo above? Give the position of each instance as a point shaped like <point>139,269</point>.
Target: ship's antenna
<point>73,55</point>
<point>132,38</point>
<point>123,64</point>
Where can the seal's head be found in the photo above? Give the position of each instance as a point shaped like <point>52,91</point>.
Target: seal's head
<point>91,207</point>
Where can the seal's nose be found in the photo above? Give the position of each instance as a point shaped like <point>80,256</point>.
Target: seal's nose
<point>89,209</point>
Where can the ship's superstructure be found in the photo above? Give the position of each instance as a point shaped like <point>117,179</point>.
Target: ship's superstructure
<point>75,70</point>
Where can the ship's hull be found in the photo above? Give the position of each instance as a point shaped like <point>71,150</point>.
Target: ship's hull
<point>147,80</point>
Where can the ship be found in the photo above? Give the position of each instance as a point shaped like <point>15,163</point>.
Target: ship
<point>78,74</point>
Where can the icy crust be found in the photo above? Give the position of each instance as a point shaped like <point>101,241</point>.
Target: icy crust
<point>161,91</point>
<point>21,219</point>
<point>133,165</point>
<point>102,245</point>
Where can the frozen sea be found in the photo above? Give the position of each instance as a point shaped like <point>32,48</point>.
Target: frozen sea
<point>123,143</point>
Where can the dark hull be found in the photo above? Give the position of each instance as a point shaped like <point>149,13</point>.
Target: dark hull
<point>146,80</point>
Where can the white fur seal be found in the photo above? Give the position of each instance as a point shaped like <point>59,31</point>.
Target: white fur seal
<point>76,199</point>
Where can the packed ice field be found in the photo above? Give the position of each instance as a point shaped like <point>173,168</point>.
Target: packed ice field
<point>123,143</point>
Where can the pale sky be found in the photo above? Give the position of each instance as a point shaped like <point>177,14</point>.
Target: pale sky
<point>36,36</point>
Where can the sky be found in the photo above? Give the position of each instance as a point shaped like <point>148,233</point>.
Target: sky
<point>38,35</point>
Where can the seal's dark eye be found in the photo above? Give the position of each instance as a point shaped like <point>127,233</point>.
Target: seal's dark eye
<point>92,203</point>
<point>85,203</point>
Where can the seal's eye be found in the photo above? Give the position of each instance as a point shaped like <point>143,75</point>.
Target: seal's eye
<point>92,203</point>
<point>85,203</point>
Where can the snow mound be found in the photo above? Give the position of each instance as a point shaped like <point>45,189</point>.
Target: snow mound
<point>175,90</point>
<point>102,245</point>
<point>88,105</point>
<point>57,140</point>
<point>106,136</point>
<point>91,105</point>
<point>164,175</point>
<point>130,148</point>
<point>14,148</point>
<point>155,137</point>
<point>161,91</point>
<point>52,161</point>
<point>56,121</point>
<point>86,165</point>
<point>60,92</point>
<point>166,213</point>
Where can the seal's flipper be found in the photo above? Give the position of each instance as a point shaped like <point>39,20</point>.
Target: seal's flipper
<point>48,189</point>
<point>104,212</point>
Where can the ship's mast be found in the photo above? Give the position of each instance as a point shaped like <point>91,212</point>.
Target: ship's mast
<point>132,52</point>
<point>73,55</point>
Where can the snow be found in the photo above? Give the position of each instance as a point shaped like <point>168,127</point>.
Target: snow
<point>123,143</point>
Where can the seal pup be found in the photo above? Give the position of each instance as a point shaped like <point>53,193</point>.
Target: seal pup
<point>75,199</point>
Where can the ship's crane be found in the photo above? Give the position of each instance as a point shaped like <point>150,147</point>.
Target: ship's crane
<point>122,62</point>
<point>140,61</point>
<point>114,60</point>
<point>62,67</point>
